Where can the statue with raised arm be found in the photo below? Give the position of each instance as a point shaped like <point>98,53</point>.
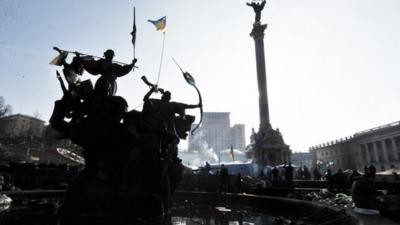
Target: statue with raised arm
<point>258,7</point>
<point>109,71</point>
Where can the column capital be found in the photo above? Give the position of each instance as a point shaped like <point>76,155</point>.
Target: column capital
<point>258,30</point>
<point>394,149</point>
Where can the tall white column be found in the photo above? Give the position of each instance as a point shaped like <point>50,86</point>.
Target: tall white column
<point>385,153</point>
<point>394,148</point>
<point>258,34</point>
<point>367,153</point>
<point>362,155</point>
<point>375,147</point>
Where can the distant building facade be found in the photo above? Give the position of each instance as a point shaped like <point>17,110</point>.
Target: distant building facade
<point>217,133</point>
<point>337,154</point>
<point>302,159</point>
<point>238,136</point>
<point>379,146</point>
<point>19,125</point>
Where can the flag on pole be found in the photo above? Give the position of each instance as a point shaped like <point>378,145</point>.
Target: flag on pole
<point>58,60</point>
<point>160,24</point>
<point>232,154</point>
<point>133,33</point>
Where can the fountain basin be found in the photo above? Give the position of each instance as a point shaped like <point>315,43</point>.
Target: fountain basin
<point>292,209</point>
<point>192,207</point>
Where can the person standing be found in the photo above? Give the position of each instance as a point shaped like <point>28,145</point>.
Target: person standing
<point>224,179</point>
<point>289,175</point>
<point>275,174</point>
<point>353,176</point>
<point>340,179</point>
<point>306,173</point>
<point>238,183</point>
<point>317,174</point>
<point>330,180</point>
<point>372,171</point>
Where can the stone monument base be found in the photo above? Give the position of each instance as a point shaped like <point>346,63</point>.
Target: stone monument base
<point>268,148</point>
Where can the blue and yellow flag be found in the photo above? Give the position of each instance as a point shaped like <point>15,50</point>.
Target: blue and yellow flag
<point>232,154</point>
<point>160,23</point>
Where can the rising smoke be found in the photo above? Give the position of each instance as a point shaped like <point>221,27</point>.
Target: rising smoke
<point>200,151</point>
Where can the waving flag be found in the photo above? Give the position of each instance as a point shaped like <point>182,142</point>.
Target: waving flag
<point>160,24</point>
<point>58,60</point>
<point>133,33</point>
<point>232,154</point>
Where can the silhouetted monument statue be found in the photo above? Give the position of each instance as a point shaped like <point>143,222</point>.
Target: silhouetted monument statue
<point>131,161</point>
<point>268,146</point>
<point>257,7</point>
<point>109,71</point>
<point>72,71</point>
<point>159,114</point>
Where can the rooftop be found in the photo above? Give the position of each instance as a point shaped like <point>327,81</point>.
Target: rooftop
<point>23,116</point>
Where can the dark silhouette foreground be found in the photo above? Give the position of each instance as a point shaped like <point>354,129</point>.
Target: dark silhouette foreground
<point>131,162</point>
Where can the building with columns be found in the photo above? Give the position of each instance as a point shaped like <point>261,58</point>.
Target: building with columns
<point>379,146</point>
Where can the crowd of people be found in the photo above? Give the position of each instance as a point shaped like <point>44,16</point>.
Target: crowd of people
<point>287,176</point>
<point>361,186</point>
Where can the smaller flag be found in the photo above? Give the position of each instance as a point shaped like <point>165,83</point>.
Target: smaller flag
<point>58,60</point>
<point>133,33</point>
<point>160,23</point>
<point>232,154</point>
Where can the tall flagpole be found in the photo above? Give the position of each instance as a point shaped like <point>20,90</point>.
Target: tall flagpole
<point>160,25</point>
<point>134,32</point>
<point>162,56</point>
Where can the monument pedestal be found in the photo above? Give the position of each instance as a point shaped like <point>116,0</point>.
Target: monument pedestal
<point>268,148</point>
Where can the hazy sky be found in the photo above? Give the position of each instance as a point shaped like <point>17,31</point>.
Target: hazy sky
<point>332,66</point>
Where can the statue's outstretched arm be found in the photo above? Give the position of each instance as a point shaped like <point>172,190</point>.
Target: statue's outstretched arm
<point>125,69</point>
<point>147,96</point>
<point>192,106</point>
<point>263,3</point>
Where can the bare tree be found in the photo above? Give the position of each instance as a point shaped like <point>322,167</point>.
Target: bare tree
<point>5,109</point>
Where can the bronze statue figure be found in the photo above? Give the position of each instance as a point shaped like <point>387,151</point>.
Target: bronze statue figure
<point>72,71</point>
<point>78,92</point>
<point>106,85</point>
<point>257,7</point>
<point>131,157</point>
